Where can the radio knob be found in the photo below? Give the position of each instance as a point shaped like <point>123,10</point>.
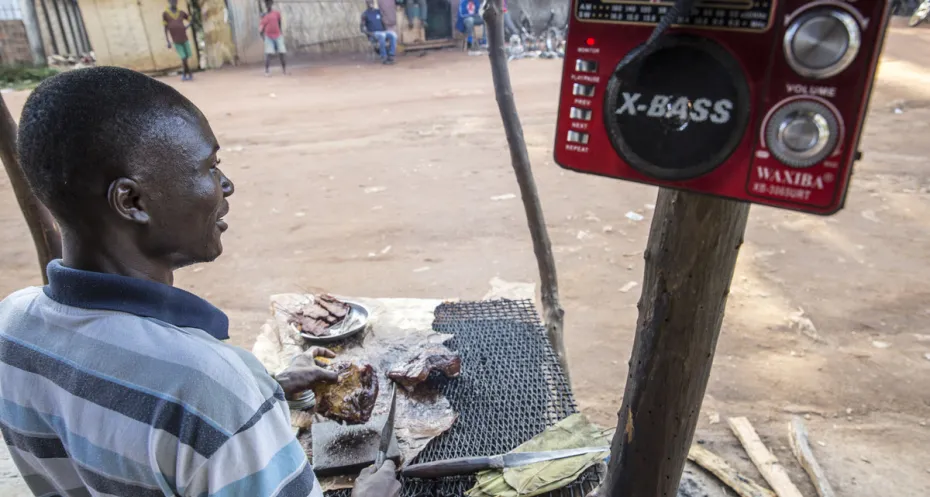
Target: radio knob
<point>822,43</point>
<point>802,133</point>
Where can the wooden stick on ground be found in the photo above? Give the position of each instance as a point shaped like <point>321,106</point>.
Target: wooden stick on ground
<point>742,485</point>
<point>42,226</point>
<point>553,314</point>
<point>765,461</point>
<point>797,433</point>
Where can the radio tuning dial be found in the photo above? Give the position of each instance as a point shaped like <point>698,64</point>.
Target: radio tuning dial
<point>802,133</point>
<point>822,43</point>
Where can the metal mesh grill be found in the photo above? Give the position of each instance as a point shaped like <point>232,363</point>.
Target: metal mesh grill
<point>511,389</point>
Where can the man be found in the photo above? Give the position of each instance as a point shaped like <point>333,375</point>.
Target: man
<point>176,24</point>
<point>112,381</point>
<point>510,28</point>
<point>373,27</point>
<point>468,18</point>
<point>388,10</point>
<point>270,30</point>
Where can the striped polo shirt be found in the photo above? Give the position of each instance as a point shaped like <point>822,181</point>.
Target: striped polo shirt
<point>118,386</point>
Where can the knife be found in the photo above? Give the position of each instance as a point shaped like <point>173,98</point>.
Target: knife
<point>387,431</point>
<point>469,465</point>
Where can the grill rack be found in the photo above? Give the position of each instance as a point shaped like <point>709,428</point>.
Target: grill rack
<point>511,389</point>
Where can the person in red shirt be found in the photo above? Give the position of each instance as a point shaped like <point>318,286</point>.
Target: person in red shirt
<point>176,23</point>
<point>270,29</point>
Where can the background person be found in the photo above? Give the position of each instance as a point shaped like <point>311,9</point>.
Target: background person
<point>176,23</point>
<point>270,28</point>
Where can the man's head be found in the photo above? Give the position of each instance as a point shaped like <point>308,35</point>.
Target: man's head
<point>173,4</point>
<point>370,3</point>
<point>269,4</point>
<point>126,165</point>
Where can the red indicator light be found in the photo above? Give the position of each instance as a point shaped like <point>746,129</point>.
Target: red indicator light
<point>589,42</point>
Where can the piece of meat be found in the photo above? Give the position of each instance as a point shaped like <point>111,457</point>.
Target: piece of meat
<point>315,327</point>
<point>334,306</point>
<point>352,398</point>
<point>314,311</point>
<point>418,368</point>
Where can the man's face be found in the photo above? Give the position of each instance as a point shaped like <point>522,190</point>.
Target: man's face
<point>173,3</point>
<point>184,192</point>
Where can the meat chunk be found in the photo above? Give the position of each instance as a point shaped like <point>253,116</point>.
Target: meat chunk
<point>418,368</point>
<point>335,307</point>
<point>315,319</point>
<point>352,398</point>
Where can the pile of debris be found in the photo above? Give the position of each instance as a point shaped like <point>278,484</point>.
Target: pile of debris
<point>68,62</point>
<point>551,45</point>
<point>766,462</point>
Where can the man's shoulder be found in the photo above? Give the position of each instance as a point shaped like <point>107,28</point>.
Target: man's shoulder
<point>16,304</point>
<point>117,351</point>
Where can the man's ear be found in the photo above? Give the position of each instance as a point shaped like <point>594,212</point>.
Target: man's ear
<point>125,198</point>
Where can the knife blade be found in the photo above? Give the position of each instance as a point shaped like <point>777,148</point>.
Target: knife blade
<point>469,465</point>
<point>387,431</point>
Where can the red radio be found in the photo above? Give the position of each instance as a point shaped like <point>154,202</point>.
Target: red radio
<point>756,100</point>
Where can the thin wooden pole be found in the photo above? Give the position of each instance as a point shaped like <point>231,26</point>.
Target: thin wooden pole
<point>553,314</point>
<point>48,24</point>
<point>61,25</point>
<point>33,33</point>
<point>41,224</point>
<point>690,259</point>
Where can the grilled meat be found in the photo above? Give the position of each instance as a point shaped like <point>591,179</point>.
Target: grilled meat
<point>352,398</point>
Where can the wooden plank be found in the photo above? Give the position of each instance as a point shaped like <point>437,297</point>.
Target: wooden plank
<point>765,461</point>
<point>742,485</point>
<point>797,433</point>
<point>423,45</point>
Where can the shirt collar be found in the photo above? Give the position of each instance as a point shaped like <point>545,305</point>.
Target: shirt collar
<point>113,292</point>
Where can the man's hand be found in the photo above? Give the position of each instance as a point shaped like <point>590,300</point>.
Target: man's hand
<point>305,371</point>
<point>380,483</point>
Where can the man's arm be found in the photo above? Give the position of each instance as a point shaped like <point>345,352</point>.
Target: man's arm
<point>363,26</point>
<point>164,21</point>
<point>261,459</point>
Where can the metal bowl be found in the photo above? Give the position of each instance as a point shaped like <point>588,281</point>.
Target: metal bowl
<point>352,325</point>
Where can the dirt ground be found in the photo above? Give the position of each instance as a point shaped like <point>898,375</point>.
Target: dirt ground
<point>380,181</point>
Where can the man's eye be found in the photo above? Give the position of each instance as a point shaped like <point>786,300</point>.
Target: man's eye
<point>216,163</point>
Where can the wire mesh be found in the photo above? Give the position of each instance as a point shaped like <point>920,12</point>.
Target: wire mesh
<point>511,389</point>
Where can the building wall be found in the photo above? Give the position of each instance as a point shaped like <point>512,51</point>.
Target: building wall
<point>323,26</point>
<point>243,20</point>
<point>310,26</point>
<point>59,19</point>
<point>14,46</point>
<point>219,48</point>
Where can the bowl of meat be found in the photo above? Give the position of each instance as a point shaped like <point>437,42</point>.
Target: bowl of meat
<point>327,319</point>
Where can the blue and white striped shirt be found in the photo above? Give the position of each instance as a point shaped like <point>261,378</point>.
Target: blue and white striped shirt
<point>118,386</point>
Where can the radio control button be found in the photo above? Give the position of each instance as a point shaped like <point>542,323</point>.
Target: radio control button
<point>580,90</point>
<point>579,113</point>
<point>822,42</point>
<point>577,137</point>
<point>802,133</point>
<point>582,65</point>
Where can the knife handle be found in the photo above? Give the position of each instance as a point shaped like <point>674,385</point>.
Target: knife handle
<point>453,467</point>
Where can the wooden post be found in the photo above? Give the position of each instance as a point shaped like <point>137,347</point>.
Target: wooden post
<point>41,224</point>
<point>33,33</point>
<point>553,314</point>
<point>690,259</point>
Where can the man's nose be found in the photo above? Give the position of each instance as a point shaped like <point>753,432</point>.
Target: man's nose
<point>227,185</point>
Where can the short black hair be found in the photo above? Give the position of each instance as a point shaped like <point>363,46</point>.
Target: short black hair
<point>81,129</point>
